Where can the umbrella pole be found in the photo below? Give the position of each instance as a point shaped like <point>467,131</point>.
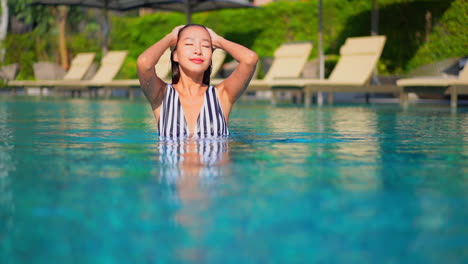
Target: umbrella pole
<point>375,18</point>
<point>320,48</point>
<point>188,13</point>
<point>189,17</point>
<point>374,32</point>
<point>106,30</point>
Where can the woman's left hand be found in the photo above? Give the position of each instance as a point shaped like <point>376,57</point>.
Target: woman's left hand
<point>215,39</point>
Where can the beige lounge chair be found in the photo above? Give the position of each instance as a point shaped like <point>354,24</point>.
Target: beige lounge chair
<point>9,72</point>
<point>289,61</point>
<point>78,68</point>
<point>439,85</point>
<point>217,61</point>
<point>358,59</point>
<point>163,68</point>
<point>110,66</point>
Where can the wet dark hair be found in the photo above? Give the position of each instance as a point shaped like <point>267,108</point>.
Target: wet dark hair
<point>175,65</point>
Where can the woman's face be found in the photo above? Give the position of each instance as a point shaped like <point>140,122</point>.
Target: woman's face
<point>194,50</point>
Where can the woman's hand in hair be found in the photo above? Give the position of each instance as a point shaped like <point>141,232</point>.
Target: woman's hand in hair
<point>215,39</point>
<point>175,34</point>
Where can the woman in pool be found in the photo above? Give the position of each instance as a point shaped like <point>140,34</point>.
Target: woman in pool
<point>190,107</point>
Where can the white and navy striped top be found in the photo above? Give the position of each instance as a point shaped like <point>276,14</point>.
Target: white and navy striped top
<point>210,123</point>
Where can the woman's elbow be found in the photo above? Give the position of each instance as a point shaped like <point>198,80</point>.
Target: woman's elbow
<point>143,63</point>
<point>251,58</point>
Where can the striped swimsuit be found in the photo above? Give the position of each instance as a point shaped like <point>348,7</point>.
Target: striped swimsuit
<point>210,123</point>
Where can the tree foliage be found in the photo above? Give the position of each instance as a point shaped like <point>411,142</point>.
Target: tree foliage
<point>264,29</point>
<point>449,38</point>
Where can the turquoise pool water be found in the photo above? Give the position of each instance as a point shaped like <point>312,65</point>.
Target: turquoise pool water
<point>87,181</point>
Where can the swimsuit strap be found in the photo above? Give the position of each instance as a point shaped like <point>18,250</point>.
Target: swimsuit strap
<point>171,117</point>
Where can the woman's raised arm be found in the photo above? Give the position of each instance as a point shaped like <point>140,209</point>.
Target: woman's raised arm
<point>151,84</point>
<point>238,81</point>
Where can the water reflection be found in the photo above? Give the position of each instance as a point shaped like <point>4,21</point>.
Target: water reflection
<point>192,158</point>
<point>288,123</point>
<point>7,165</point>
<point>193,168</point>
<point>464,131</point>
<point>358,127</point>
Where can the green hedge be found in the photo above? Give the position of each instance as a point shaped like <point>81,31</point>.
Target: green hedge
<point>24,49</point>
<point>449,38</point>
<point>264,29</point>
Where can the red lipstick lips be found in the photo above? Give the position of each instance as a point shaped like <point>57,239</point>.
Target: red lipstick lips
<point>197,61</point>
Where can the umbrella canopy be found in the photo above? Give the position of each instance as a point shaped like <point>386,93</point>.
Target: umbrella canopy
<point>186,6</point>
<point>118,5</point>
<point>191,6</point>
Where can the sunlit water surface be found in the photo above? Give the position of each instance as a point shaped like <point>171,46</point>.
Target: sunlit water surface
<point>88,181</point>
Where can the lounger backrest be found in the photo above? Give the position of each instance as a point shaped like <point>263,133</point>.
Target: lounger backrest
<point>358,59</point>
<point>289,61</point>
<point>163,67</point>
<point>463,74</point>
<point>46,70</point>
<point>9,72</point>
<point>110,66</point>
<point>217,61</point>
<point>79,66</point>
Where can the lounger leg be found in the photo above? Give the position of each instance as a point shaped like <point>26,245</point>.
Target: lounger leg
<point>307,97</point>
<point>131,93</point>
<point>330,98</point>
<point>107,92</point>
<point>273,97</point>
<point>319,98</point>
<point>404,98</point>
<point>453,97</point>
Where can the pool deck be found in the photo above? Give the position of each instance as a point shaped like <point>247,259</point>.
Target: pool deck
<point>386,92</point>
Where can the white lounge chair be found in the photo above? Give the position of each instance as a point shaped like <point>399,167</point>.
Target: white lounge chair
<point>78,69</point>
<point>358,59</point>
<point>110,66</point>
<point>440,85</point>
<point>288,63</point>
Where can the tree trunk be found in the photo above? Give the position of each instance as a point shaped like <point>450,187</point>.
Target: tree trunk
<point>62,22</point>
<point>375,18</point>
<point>3,28</point>
<point>428,25</point>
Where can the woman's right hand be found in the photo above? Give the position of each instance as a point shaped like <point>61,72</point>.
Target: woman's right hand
<point>175,34</point>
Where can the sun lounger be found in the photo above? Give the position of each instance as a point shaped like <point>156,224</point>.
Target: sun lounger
<point>439,85</point>
<point>9,72</point>
<point>78,68</point>
<point>110,66</point>
<point>47,70</point>
<point>217,61</point>
<point>289,61</point>
<point>358,59</point>
<point>163,68</point>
